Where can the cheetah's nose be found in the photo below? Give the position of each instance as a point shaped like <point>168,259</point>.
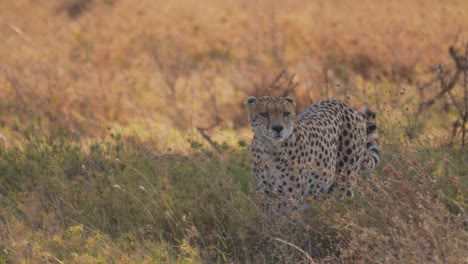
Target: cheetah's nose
<point>277,128</point>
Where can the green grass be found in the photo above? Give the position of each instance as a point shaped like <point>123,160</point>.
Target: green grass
<point>116,202</point>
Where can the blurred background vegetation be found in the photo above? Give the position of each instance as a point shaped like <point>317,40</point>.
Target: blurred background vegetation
<point>124,138</point>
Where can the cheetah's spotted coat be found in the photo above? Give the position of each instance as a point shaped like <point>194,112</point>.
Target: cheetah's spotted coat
<point>320,150</point>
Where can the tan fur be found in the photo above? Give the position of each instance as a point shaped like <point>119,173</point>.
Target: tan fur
<point>320,150</point>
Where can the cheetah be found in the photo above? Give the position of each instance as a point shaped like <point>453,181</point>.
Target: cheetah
<point>295,158</point>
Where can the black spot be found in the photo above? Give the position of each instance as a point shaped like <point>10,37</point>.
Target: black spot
<point>371,129</point>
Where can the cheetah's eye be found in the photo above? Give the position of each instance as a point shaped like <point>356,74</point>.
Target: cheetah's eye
<point>286,114</point>
<point>264,114</point>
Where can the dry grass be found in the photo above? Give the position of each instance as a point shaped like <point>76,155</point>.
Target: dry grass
<point>119,63</point>
<point>115,202</point>
<point>101,97</point>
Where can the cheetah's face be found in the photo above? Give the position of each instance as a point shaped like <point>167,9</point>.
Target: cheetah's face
<point>271,117</point>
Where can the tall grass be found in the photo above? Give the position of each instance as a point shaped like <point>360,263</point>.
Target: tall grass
<point>113,202</point>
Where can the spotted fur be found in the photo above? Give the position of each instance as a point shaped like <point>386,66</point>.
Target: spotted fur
<point>313,153</point>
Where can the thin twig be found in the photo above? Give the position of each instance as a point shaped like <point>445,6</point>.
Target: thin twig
<point>20,32</point>
<point>446,86</point>
<point>277,78</point>
<point>465,95</point>
<point>309,258</point>
<point>208,139</point>
<point>284,81</point>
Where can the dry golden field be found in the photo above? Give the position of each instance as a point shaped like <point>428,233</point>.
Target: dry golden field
<point>123,137</point>
<point>155,67</point>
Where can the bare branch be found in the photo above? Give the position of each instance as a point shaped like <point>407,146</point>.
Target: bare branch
<point>284,81</point>
<point>212,143</point>
<point>446,87</point>
<point>273,85</point>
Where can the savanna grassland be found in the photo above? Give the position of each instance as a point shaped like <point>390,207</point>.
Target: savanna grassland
<point>123,137</point>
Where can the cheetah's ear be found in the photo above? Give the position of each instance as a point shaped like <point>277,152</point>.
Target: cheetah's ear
<point>291,100</point>
<point>250,100</point>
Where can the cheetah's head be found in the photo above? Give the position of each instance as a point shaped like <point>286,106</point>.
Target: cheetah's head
<point>271,117</point>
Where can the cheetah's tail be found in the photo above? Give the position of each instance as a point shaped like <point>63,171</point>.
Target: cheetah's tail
<point>372,141</point>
